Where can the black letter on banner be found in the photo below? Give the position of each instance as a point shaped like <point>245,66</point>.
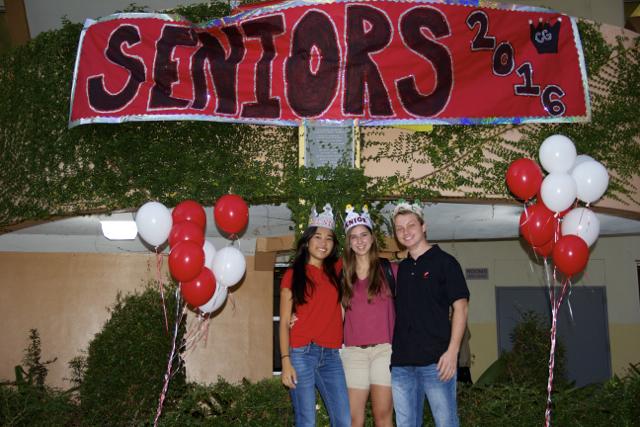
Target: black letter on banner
<point>309,93</point>
<point>361,71</point>
<point>410,29</point>
<point>224,70</point>
<point>265,28</point>
<point>528,88</point>
<point>503,62</point>
<point>99,98</point>
<point>481,41</point>
<point>165,71</point>
<point>551,100</point>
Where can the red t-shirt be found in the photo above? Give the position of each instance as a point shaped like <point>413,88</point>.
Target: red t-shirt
<point>320,318</point>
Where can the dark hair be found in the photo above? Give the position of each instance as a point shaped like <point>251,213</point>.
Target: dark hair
<point>301,285</point>
<point>377,282</point>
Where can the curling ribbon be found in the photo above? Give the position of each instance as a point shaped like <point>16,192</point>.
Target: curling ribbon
<point>159,260</point>
<point>555,307</point>
<point>167,374</point>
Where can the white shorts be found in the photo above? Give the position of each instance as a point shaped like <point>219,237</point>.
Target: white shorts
<point>366,366</point>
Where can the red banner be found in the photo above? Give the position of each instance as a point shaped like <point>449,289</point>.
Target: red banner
<point>377,62</point>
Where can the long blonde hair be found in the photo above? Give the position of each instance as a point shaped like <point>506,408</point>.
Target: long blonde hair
<point>377,282</point>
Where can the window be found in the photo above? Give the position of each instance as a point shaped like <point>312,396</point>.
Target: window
<point>278,272</point>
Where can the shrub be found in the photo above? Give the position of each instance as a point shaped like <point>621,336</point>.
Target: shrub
<point>616,402</point>
<point>127,360</point>
<point>264,403</point>
<point>27,401</point>
<point>527,363</point>
<point>31,406</point>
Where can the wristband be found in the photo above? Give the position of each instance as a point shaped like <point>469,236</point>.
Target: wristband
<point>283,356</point>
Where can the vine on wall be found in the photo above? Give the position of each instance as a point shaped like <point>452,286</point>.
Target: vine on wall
<point>48,170</point>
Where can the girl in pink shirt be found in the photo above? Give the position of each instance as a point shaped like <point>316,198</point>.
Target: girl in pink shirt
<point>368,323</point>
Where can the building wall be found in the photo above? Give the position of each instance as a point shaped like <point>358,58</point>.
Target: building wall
<point>44,15</point>
<point>65,296</point>
<point>609,11</point>
<point>612,263</point>
<point>14,30</point>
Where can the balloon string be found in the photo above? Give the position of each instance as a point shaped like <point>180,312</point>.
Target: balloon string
<point>569,305</point>
<point>197,330</point>
<point>159,261</point>
<point>547,272</point>
<point>555,307</point>
<point>168,375</point>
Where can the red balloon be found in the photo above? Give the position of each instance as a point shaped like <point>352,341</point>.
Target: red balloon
<point>570,255</point>
<point>231,214</point>
<point>537,224</point>
<point>190,210</point>
<point>544,250</point>
<point>199,290</point>
<point>186,260</point>
<point>186,231</point>
<point>524,178</point>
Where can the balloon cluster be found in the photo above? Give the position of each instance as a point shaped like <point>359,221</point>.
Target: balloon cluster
<point>553,224</point>
<point>204,273</point>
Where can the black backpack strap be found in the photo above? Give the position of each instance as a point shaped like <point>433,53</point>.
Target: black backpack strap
<point>388,272</point>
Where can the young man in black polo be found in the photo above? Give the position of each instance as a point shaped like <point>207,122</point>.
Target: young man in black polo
<point>425,342</point>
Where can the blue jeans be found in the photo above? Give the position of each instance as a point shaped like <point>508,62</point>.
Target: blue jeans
<point>406,384</point>
<point>319,367</point>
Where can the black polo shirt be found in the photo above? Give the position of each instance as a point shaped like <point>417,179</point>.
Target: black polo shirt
<point>426,288</point>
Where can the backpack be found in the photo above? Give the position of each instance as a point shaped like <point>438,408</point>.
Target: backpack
<point>388,273</point>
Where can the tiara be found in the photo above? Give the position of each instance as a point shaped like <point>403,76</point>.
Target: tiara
<point>403,206</point>
<point>324,219</point>
<point>354,218</point>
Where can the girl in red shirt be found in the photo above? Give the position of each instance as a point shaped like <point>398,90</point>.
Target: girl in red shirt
<point>309,348</point>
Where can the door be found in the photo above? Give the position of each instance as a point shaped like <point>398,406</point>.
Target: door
<point>585,336</point>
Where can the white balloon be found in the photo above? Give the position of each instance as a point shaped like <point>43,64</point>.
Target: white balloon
<point>558,191</point>
<point>229,266</point>
<point>216,301</point>
<point>557,154</point>
<point>209,254</point>
<point>154,223</point>
<point>592,180</point>
<point>581,158</point>
<point>583,223</point>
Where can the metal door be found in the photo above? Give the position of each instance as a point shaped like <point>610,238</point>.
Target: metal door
<point>585,336</point>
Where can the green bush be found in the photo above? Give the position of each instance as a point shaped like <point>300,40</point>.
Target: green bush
<point>27,401</point>
<point>127,360</point>
<point>265,403</point>
<point>527,364</point>
<point>614,403</point>
<point>32,406</point>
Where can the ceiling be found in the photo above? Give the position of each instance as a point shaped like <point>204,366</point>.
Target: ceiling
<point>445,222</point>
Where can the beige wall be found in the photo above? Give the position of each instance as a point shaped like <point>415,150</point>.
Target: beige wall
<point>13,25</point>
<point>240,341</point>
<point>65,296</point>
<point>612,263</point>
<point>604,11</point>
